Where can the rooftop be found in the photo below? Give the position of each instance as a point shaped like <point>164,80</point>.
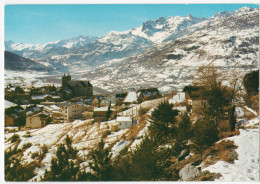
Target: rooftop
<point>124,118</point>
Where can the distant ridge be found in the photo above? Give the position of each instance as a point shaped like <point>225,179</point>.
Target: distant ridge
<point>18,63</point>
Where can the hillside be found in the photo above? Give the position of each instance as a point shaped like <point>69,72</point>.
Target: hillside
<point>18,63</point>
<point>38,146</point>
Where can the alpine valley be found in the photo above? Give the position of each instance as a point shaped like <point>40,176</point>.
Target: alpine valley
<point>164,53</point>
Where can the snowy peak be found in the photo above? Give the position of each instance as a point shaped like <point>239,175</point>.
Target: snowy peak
<point>161,29</point>
<point>67,43</point>
<point>243,10</point>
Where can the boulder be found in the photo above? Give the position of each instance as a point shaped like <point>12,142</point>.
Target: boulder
<point>189,171</point>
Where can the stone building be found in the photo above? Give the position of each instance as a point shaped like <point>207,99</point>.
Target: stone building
<point>76,87</point>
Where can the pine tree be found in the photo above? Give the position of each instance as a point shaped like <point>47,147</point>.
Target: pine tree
<point>101,164</point>
<point>184,129</point>
<point>63,168</point>
<point>149,163</point>
<point>217,99</point>
<point>163,118</point>
<point>205,132</point>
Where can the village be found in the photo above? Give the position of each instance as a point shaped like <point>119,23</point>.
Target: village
<point>38,120</point>
<point>37,107</point>
<point>32,107</point>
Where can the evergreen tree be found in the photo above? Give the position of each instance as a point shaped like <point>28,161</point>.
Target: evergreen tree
<point>149,163</point>
<point>251,82</point>
<point>217,100</point>
<point>101,164</point>
<point>163,119</point>
<point>205,132</point>
<point>63,168</point>
<point>184,129</point>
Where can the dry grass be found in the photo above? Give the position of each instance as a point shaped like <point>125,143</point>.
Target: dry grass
<point>207,177</point>
<point>223,135</point>
<point>223,126</point>
<point>225,151</point>
<point>137,128</point>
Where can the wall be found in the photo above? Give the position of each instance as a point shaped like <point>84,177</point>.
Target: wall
<point>124,124</point>
<point>34,122</point>
<point>9,121</point>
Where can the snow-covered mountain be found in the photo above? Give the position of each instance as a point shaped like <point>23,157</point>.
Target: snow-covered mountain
<point>35,51</point>
<point>229,42</point>
<point>114,45</point>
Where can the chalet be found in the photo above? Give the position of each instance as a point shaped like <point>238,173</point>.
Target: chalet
<point>196,98</point>
<point>101,113</point>
<point>133,98</point>
<point>76,88</point>
<point>15,116</point>
<point>108,100</point>
<point>124,122</point>
<point>149,93</point>
<point>36,120</point>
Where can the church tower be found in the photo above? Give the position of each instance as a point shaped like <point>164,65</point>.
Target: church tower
<point>65,80</point>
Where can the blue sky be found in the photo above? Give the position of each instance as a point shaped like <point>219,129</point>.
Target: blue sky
<point>46,23</point>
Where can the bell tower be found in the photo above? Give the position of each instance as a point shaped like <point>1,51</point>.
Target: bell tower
<point>65,80</point>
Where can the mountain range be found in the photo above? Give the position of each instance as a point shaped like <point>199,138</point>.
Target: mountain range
<point>165,51</point>
<point>92,51</point>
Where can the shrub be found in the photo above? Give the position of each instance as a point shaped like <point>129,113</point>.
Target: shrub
<point>142,111</point>
<point>205,132</point>
<point>27,145</point>
<point>28,134</point>
<point>44,149</point>
<point>15,138</point>
<point>34,155</point>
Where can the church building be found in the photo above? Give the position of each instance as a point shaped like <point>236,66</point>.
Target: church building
<point>77,87</point>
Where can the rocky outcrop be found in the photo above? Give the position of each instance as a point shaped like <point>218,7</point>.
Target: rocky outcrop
<point>189,171</point>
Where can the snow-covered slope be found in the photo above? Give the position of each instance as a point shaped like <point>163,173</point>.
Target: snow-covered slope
<point>246,168</point>
<point>85,136</point>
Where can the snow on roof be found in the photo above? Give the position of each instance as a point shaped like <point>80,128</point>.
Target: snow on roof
<point>36,97</point>
<point>54,107</point>
<point>124,118</point>
<point>9,104</point>
<point>29,112</point>
<point>48,108</point>
<point>64,104</point>
<point>131,97</point>
<point>179,97</point>
<point>55,96</point>
<point>101,108</point>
